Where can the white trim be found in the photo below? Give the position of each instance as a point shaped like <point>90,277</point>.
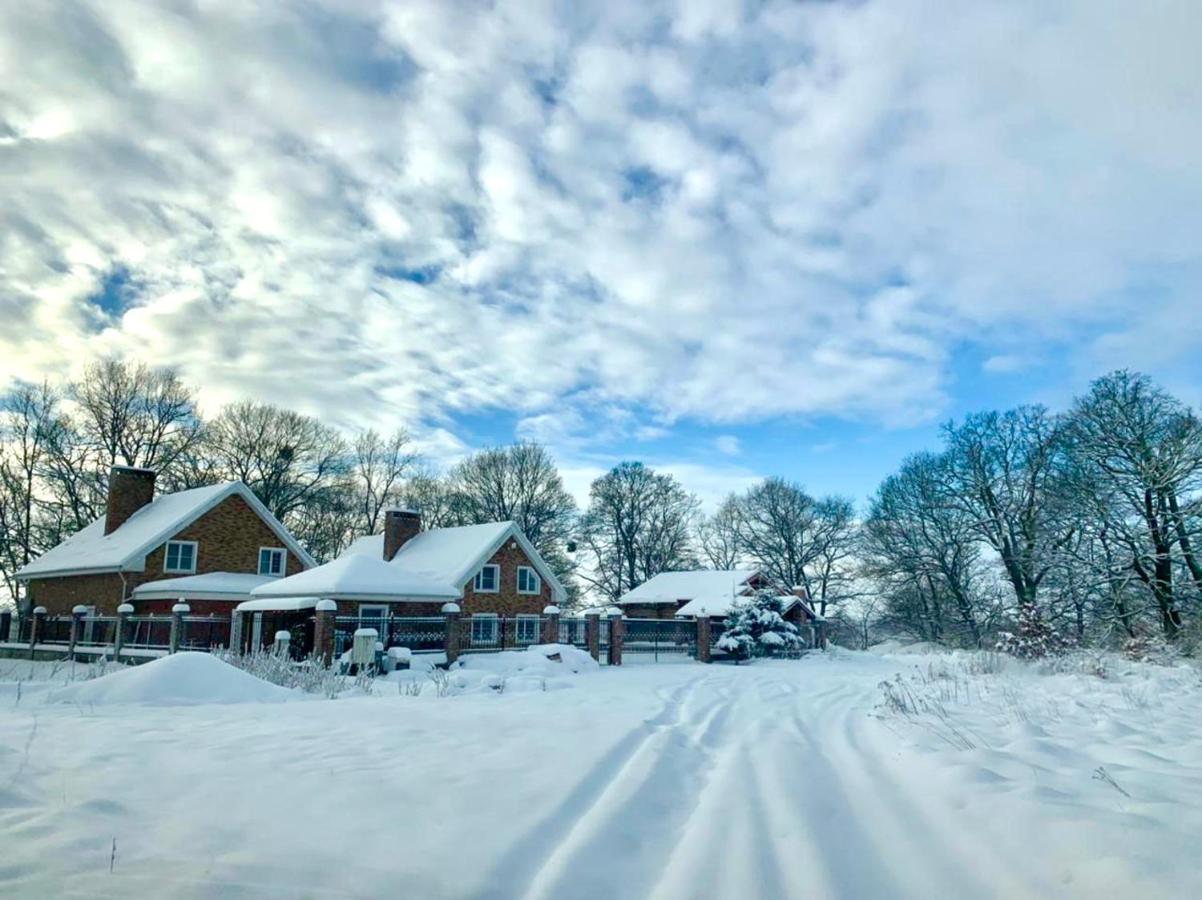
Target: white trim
<point>490,618</point>
<point>559,594</point>
<point>496,589</point>
<point>526,619</point>
<point>283,551</point>
<point>538,587</point>
<point>195,545</point>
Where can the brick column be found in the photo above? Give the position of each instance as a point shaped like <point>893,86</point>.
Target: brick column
<point>36,625</point>
<point>323,631</point>
<point>592,634</point>
<point>703,639</point>
<point>177,625</point>
<point>617,633</point>
<point>551,625</point>
<point>6,625</point>
<point>451,611</point>
<point>124,611</point>
<point>77,614</point>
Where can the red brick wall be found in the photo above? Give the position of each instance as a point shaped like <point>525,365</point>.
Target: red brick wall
<point>228,540</point>
<point>507,601</point>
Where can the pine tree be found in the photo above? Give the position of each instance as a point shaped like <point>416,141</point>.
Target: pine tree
<point>756,626</point>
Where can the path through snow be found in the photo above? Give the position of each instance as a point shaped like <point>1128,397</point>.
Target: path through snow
<point>671,782</point>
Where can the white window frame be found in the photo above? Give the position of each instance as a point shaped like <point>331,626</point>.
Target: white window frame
<point>167,555</point>
<point>490,619</point>
<point>528,621</point>
<point>538,581</point>
<point>384,609</point>
<point>496,589</point>
<point>283,561</point>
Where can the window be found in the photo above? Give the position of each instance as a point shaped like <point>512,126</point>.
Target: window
<point>374,615</point>
<point>180,557</point>
<point>488,580</point>
<point>484,628</point>
<point>527,629</point>
<point>528,581</point>
<point>272,561</point>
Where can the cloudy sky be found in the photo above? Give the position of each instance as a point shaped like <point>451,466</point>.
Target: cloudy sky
<point>727,238</point>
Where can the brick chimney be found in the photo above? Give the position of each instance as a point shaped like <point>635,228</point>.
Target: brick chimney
<point>400,525</point>
<point>129,490</point>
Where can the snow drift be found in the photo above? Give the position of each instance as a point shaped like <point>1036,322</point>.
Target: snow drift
<point>181,679</point>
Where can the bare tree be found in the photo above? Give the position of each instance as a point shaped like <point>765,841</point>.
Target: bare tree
<point>380,467</point>
<point>639,523</point>
<point>434,497</point>
<point>718,536</point>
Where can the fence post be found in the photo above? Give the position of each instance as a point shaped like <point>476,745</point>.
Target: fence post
<point>177,625</point>
<point>236,632</point>
<point>323,631</point>
<point>592,634</point>
<point>617,631</point>
<point>451,641</point>
<point>283,640</point>
<point>6,624</point>
<point>551,624</point>
<point>703,638</point>
<point>77,614</point>
<point>36,624</point>
<point>124,611</point>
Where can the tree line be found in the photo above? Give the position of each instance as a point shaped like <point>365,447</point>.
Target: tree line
<point>1085,521</point>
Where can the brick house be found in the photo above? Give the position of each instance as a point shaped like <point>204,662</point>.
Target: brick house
<point>491,571</point>
<point>707,592</point>
<point>208,546</point>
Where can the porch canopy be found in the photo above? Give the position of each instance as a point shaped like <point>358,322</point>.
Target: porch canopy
<point>278,604</point>
<point>358,577</point>
<point>231,586</point>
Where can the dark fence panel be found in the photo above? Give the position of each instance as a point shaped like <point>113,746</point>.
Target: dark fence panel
<point>205,632</point>
<point>490,634</point>
<point>418,633</point>
<point>99,631</point>
<point>55,630</point>
<point>149,632</point>
<point>574,632</point>
<point>660,637</point>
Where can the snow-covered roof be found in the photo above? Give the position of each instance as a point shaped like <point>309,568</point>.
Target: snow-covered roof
<point>711,586</point>
<point>277,604</point>
<point>452,556</point>
<point>125,550</point>
<point>701,608</point>
<point>210,586</point>
<point>356,576</point>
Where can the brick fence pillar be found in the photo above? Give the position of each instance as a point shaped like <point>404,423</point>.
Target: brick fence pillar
<point>36,625</point>
<point>77,614</point>
<point>236,632</point>
<point>124,611</point>
<point>323,631</point>
<point>177,625</point>
<point>703,639</point>
<point>551,625</point>
<point>617,635</point>
<point>451,639</point>
<point>6,626</point>
<point>592,635</point>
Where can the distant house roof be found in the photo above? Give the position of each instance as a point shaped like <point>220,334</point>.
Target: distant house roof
<point>451,556</point>
<point>124,550</point>
<point>708,585</point>
<point>722,607</point>
<point>210,586</point>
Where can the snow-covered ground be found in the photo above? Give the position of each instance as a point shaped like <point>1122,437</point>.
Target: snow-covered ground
<point>969,777</point>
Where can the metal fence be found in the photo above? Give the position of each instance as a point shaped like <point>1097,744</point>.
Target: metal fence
<point>205,632</point>
<point>574,632</point>
<point>660,637</point>
<point>490,634</point>
<point>99,631</point>
<point>55,630</point>
<point>418,633</point>
<point>148,632</point>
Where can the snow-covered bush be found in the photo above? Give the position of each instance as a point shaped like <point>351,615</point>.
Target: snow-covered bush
<point>1034,638</point>
<point>756,627</point>
<point>1150,648</point>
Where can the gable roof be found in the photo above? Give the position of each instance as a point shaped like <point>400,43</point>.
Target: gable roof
<point>722,606</point>
<point>90,550</point>
<point>452,556</point>
<point>711,586</point>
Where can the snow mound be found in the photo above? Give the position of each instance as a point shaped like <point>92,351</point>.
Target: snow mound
<point>178,680</point>
<point>541,659</point>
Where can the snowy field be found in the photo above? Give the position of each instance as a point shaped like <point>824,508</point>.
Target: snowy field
<point>969,776</point>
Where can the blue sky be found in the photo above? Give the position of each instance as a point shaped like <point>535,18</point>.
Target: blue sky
<point>732,239</point>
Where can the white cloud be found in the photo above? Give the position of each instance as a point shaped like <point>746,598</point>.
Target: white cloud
<point>375,212</point>
<point>728,444</point>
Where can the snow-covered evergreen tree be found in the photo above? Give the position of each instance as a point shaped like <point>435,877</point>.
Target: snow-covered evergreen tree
<point>756,626</point>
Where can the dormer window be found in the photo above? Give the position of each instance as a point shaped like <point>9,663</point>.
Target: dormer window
<point>488,580</point>
<point>179,558</point>
<point>528,581</point>
<point>272,561</point>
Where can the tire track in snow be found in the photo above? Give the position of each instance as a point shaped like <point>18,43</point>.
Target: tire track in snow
<point>531,856</point>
